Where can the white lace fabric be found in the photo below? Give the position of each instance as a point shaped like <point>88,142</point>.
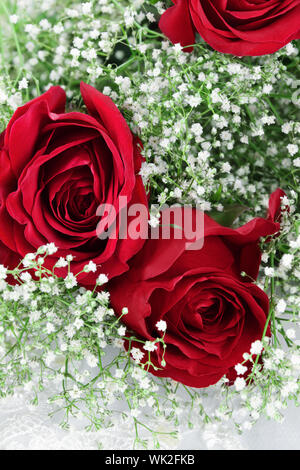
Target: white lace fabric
<point>27,427</point>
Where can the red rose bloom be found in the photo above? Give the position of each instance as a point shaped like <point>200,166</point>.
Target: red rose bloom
<point>56,168</point>
<point>213,314</point>
<point>236,27</point>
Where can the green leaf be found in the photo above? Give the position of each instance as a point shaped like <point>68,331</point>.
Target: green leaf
<point>228,215</point>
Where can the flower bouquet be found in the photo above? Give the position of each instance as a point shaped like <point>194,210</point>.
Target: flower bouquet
<point>149,215</point>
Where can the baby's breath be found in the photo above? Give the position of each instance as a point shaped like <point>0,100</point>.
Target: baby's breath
<point>218,131</point>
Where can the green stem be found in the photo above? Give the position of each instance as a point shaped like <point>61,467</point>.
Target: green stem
<point>16,40</point>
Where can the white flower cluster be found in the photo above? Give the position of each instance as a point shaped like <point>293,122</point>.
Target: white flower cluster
<point>216,131</point>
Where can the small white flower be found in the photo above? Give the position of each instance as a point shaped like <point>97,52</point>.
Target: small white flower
<point>197,129</point>
<point>122,330</point>
<point>70,331</point>
<point>3,272</point>
<point>289,388</point>
<point>23,84</point>
<point>295,243</point>
<point>267,89</point>
<point>297,162</point>
<point>150,17</point>
<point>61,263</point>
<point>154,220</point>
<point>150,346</point>
<point>293,149</point>
<point>13,19</point>
<point>51,248</point>
<point>287,127</point>
<point>281,306</point>
<point>102,279</point>
<point>50,328</point>
<point>256,401</point>
<point>45,24</point>
<point>145,383</point>
<point>161,325</point>
<point>268,364</point>
<point>75,53</point>
<point>35,315</point>
<point>239,384</point>
<point>194,101</point>
<point>240,369</point>
<point>177,48</point>
<point>286,261</point>
<point>279,354</point>
<point>70,281</point>
<point>3,285</point>
<point>91,360</point>
<point>78,323</point>
<point>90,267</point>
<point>137,354</point>
<point>58,28</point>
<point>256,347</point>
<point>226,167</point>
<point>269,272</point>
<point>295,360</point>
<point>86,8</point>
<point>26,277</point>
<point>118,342</point>
<point>246,356</point>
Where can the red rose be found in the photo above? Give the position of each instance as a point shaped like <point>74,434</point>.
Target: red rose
<point>213,314</point>
<point>235,27</point>
<point>56,168</point>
